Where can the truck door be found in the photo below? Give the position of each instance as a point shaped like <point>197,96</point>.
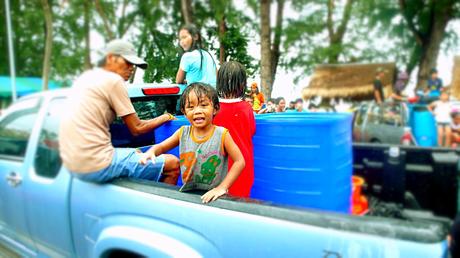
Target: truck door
<point>47,188</point>
<point>16,127</point>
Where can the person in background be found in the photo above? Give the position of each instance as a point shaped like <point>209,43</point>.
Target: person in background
<point>204,148</point>
<point>196,64</point>
<point>269,107</point>
<point>399,86</point>
<point>441,110</point>
<point>291,107</point>
<point>259,98</point>
<point>238,117</point>
<point>299,105</point>
<point>98,96</point>
<point>434,84</point>
<point>280,104</point>
<point>455,128</point>
<point>249,99</point>
<point>379,96</point>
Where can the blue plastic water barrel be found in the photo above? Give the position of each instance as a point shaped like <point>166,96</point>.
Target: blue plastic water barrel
<point>304,159</point>
<point>423,126</point>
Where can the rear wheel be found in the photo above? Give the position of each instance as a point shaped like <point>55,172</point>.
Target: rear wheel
<point>375,141</point>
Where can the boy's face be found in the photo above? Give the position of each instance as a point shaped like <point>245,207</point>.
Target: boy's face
<point>434,76</point>
<point>199,112</point>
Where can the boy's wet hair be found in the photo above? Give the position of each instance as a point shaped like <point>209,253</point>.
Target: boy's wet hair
<point>201,90</point>
<point>231,80</point>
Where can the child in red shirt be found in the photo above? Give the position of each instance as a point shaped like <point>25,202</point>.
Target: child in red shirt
<point>237,116</point>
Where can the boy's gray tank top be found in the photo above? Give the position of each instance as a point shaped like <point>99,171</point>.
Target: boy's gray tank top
<point>205,158</point>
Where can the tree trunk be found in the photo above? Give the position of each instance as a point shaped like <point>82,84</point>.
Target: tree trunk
<point>48,43</point>
<point>428,43</point>
<point>100,10</point>
<point>187,12</point>
<point>265,43</point>
<point>222,30</point>
<point>336,37</point>
<point>86,26</point>
<point>277,39</point>
<point>430,49</point>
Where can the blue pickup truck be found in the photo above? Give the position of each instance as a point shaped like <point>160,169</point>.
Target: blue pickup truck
<point>45,212</point>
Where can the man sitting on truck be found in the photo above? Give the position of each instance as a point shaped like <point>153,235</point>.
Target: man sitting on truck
<point>98,96</point>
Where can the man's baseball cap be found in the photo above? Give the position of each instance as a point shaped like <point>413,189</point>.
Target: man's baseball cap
<point>125,50</point>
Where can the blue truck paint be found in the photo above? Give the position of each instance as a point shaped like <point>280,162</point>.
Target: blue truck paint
<point>65,217</point>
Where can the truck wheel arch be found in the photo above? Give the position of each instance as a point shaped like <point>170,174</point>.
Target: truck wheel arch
<point>138,242</point>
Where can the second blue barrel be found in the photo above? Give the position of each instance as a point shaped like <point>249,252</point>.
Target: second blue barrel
<point>304,159</point>
<point>423,126</point>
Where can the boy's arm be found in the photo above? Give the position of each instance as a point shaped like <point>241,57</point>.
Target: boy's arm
<point>234,153</point>
<point>160,148</point>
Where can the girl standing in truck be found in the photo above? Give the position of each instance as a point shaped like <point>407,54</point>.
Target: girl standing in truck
<point>204,148</point>
<point>238,117</point>
<point>196,64</point>
<point>441,110</point>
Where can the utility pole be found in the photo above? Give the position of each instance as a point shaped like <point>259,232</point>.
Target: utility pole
<point>10,51</point>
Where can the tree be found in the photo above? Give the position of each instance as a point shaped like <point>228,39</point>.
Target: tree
<point>187,12</point>
<point>48,43</point>
<point>427,21</point>
<point>265,48</point>
<point>270,53</point>
<point>86,28</point>
<point>336,35</point>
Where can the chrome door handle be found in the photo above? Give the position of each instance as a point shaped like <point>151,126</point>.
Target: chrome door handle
<point>14,179</point>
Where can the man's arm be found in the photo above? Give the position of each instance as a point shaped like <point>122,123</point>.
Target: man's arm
<point>137,126</point>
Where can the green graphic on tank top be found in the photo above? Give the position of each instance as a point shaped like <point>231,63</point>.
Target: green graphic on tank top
<point>208,170</point>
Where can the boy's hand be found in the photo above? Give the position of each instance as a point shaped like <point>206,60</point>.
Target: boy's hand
<point>146,156</point>
<point>213,194</point>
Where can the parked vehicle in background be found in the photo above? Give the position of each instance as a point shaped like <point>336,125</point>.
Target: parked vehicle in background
<point>383,123</point>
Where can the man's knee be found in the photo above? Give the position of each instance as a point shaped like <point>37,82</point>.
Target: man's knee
<point>171,162</point>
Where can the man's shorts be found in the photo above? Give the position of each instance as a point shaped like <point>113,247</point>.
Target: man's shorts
<point>125,163</point>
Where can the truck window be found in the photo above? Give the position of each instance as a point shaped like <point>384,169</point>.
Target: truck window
<point>374,114</point>
<point>16,127</point>
<point>360,114</point>
<point>47,161</point>
<point>151,107</point>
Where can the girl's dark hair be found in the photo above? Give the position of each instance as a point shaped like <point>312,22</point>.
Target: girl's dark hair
<point>201,90</point>
<point>198,43</point>
<point>231,80</point>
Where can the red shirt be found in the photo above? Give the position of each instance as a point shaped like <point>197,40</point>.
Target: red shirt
<point>238,117</point>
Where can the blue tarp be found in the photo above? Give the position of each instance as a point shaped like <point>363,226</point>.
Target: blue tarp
<point>24,86</point>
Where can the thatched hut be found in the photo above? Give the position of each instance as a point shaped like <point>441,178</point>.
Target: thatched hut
<point>455,84</point>
<point>348,81</point>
